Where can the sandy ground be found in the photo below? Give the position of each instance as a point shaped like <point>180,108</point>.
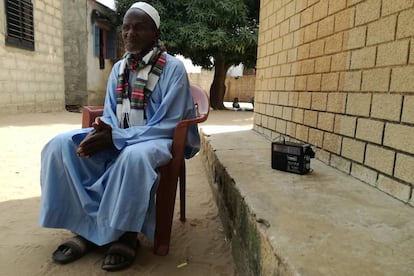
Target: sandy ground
<point>25,247</point>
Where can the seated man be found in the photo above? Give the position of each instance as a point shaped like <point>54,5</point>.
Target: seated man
<point>100,182</point>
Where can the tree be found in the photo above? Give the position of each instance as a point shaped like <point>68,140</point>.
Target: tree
<point>213,34</point>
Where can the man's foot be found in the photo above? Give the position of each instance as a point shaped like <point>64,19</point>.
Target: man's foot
<point>121,253</point>
<point>72,249</point>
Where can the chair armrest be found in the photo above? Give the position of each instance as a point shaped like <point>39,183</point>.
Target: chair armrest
<point>89,113</point>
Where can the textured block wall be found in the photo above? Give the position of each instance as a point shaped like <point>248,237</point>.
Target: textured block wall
<point>33,81</point>
<point>339,74</point>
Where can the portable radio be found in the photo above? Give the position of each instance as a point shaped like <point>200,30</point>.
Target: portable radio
<point>291,157</point>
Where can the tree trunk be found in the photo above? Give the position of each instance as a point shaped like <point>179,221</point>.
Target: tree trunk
<point>218,87</point>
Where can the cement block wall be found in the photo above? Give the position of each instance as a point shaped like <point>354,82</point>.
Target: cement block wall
<point>33,81</point>
<point>339,74</point>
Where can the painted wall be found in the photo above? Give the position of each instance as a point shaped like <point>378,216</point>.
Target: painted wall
<point>33,81</point>
<point>339,74</point>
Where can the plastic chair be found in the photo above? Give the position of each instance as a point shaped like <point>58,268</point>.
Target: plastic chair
<point>170,173</point>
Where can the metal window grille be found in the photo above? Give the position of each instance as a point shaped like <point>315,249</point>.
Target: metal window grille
<point>20,31</point>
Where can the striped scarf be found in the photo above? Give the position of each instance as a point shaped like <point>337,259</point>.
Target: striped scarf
<point>130,109</point>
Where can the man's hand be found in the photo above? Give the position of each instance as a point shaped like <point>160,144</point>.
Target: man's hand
<point>97,140</point>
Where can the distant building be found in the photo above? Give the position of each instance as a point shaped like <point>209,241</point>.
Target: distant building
<point>90,49</point>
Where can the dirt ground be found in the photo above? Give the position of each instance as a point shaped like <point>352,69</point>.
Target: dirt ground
<point>198,247</point>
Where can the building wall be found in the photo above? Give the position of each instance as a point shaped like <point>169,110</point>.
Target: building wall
<point>240,87</point>
<point>75,52</point>
<point>33,81</point>
<point>339,74</point>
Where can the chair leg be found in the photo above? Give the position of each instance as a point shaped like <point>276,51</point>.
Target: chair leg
<point>182,191</point>
<point>165,211</point>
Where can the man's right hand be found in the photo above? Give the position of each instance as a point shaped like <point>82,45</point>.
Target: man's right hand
<point>97,140</point>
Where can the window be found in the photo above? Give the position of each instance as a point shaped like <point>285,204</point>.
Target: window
<point>104,44</point>
<point>19,18</point>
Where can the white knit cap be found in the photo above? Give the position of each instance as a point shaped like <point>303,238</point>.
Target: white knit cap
<point>148,9</point>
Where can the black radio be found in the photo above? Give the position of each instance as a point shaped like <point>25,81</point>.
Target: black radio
<point>291,157</point>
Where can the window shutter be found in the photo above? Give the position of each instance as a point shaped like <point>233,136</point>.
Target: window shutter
<point>111,45</point>
<point>20,30</point>
<point>96,31</point>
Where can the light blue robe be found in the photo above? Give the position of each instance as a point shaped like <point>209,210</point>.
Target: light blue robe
<point>112,192</point>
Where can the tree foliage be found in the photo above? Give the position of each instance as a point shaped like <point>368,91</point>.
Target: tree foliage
<point>213,34</point>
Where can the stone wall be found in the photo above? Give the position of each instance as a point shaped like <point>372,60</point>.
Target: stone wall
<point>339,74</point>
<point>240,87</point>
<point>33,81</point>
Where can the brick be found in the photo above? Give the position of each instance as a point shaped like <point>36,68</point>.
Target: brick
<point>340,163</point>
<point>341,61</point>
<point>323,156</point>
<point>367,11</point>
<point>311,32</point>
<point>315,137</point>
<point>393,6</point>
<point>332,142</point>
<point>323,64</point>
<point>350,81</point>
<point>288,41</point>
<point>358,104</point>
<point>291,129</point>
<point>302,133</point>
<point>319,101</point>
<point>310,118</point>
<point>298,38</point>
<point>402,79</point>
<point>301,5</point>
<point>394,188</point>
<point>277,111</point>
<point>333,43</point>
<point>363,58</point>
<point>314,82</point>
<point>394,53</point>
<point>303,51</point>
<point>290,9</point>
<point>355,38</point>
<point>329,82</point>
<point>345,125</point>
<point>317,48</point>
<point>363,173</point>
<point>406,24</point>
<point>292,55</point>
<point>376,80</point>
<point>304,100</point>
<point>326,121</point>
<point>326,26</point>
<point>370,130</point>
<point>379,158</point>
<point>382,30</point>
<point>283,98</point>
<point>400,137</point>
<point>404,168</point>
<point>386,107</point>
<point>287,113</point>
<point>353,149</point>
<point>336,102</point>
<point>281,126</point>
<point>336,5</point>
<point>300,83</point>
<point>306,17</point>
<point>354,2</point>
<point>344,19</point>
<point>408,110</point>
<point>411,52</point>
<point>290,83</point>
<point>297,115</point>
<point>320,10</point>
<point>294,23</point>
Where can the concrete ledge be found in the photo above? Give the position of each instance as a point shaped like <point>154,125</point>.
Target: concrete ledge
<point>323,223</point>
